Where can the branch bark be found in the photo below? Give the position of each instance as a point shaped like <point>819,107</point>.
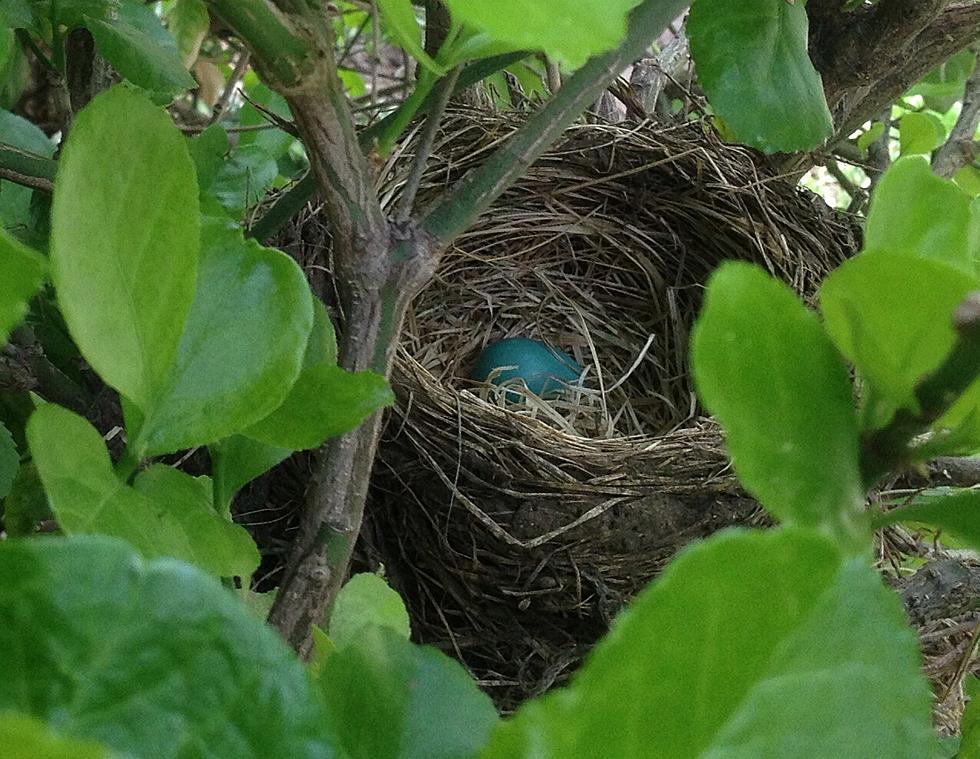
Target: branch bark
<point>869,58</point>
<point>960,148</point>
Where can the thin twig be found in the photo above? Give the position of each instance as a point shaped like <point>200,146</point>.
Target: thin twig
<point>37,183</point>
<point>237,74</point>
<point>444,92</point>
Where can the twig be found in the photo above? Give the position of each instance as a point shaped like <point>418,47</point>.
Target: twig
<point>879,151</point>
<point>36,183</point>
<point>407,201</point>
<point>960,148</point>
<point>237,74</point>
<point>471,196</point>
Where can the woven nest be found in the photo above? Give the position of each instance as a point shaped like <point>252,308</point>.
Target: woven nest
<point>516,530</point>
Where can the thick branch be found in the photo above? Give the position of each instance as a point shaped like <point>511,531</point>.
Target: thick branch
<point>916,51</point>
<point>960,149</point>
<point>283,54</point>
<point>463,203</point>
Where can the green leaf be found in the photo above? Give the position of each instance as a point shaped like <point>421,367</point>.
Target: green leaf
<point>124,240</point>
<point>755,644</point>
<point>216,545</point>
<point>132,39</point>
<point>968,180</point>
<point>244,179</point>
<point>23,737</point>
<point>920,133</point>
<point>891,316</point>
<point>237,460</point>
<point>916,213</point>
<point>208,150</point>
<point>154,659</point>
<point>403,26</point>
<point>388,698</point>
<point>242,348</point>
<point>565,30</point>
<point>751,57</point>
<point>764,367</point>
<point>21,133</point>
<point>321,347</point>
<point>944,85</point>
<point>26,505</point>
<point>870,136</point>
<point>970,723</point>
<point>16,14</point>
<point>366,600</point>
<point>188,22</point>
<point>957,513</point>
<point>326,401</point>
<point>9,460</point>
<point>166,514</point>
<point>21,274</point>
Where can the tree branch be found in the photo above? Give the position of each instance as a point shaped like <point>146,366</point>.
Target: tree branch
<point>470,197</point>
<point>283,54</point>
<point>26,168</point>
<point>960,149</point>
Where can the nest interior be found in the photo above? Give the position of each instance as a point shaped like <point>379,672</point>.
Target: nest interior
<point>515,531</point>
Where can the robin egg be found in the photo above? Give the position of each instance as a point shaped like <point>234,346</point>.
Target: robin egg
<point>542,368</point>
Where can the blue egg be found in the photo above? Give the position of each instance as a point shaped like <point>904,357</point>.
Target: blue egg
<point>544,369</point>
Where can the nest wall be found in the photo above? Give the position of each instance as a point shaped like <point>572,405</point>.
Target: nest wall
<point>515,531</point>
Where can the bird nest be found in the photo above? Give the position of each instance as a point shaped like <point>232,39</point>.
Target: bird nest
<point>516,528</point>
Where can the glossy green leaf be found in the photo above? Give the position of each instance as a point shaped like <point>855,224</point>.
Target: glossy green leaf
<point>326,401</point>
<point>21,274</point>
<point>154,659</point>
<point>124,240</point>
<point>567,30</point>
<point>9,460</point>
<point>188,22</point>
<point>23,737</point>
<point>388,698</point>
<point>755,644</point>
<point>765,368</point>
<point>242,348</point>
<point>237,460</point>
<point>366,600</point>
<point>891,316</point>
<point>956,513</point>
<point>916,213</point>
<point>403,26</point>
<point>208,150</point>
<point>920,133</point>
<point>132,39</point>
<point>751,57</point>
<point>166,514</point>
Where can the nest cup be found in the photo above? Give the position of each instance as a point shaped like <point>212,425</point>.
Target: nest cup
<point>516,530</point>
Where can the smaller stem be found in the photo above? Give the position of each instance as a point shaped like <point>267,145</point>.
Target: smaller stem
<point>407,202</point>
<point>960,149</point>
<point>26,168</point>
<point>237,74</point>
